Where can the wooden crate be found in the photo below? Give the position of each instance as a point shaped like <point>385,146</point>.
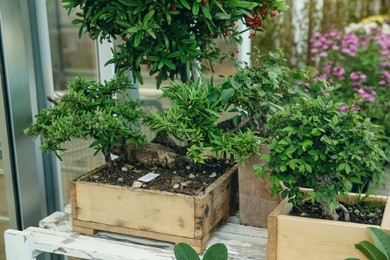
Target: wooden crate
<point>152,214</point>
<point>255,199</point>
<point>303,238</point>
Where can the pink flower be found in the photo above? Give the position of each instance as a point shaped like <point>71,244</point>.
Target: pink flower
<point>354,76</point>
<point>323,54</point>
<point>369,96</point>
<point>346,106</point>
<point>343,108</point>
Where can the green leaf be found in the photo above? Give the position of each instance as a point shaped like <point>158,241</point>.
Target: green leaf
<point>381,240</point>
<point>347,168</point>
<point>369,250</point>
<point>166,40</point>
<point>130,3</point>
<point>284,194</point>
<point>290,151</point>
<point>243,4</point>
<point>308,167</point>
<point>138,61</point>
<point>335,119</point>
<point>154,58</point>
<point>222,16</point>
<point>124,23</point>
<point>132,30</point>
<point>169,18</point>
<point>206,12</point>
<point>283,142</point>
<point>95,143</point>
<point>315,132</point>
<point>195,8</point>
<point>148,16</point>
<point>185,4</point>
<point>77,21</point>
<point>272,75</point>
<point>308,142</point>
<point>151,33</point>
<point>173,54</point>
<point>227,94</point>
<point>183,251</point>
<point>138,38</point>
<point>169,64</point>
<point>216,252</point>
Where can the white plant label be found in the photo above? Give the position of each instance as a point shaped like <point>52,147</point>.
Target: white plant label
<point>149,177</point>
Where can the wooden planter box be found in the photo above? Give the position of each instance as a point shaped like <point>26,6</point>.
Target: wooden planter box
<point>303,238</point>
<point>255,199</point>
<point>152,214</point>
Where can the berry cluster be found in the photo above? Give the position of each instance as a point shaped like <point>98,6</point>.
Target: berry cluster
<point>255,21</point>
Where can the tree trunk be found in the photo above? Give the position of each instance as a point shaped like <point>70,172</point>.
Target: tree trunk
<point>327,212</point>
<point>110,164</point>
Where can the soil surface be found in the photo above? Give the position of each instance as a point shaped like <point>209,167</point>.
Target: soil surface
<point>365,212</point>
<point>192,179</point>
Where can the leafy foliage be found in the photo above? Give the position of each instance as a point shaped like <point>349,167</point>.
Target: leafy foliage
<point>215,252</point>
<point>261,90</point>
<point>380,250</point>
<point>313,144</point>
<point>357,62</point>
<point>168,36</point>
<point>89,109</point>
<point>192,118</point>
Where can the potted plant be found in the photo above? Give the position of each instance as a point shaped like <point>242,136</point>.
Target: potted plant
<point>313,144</point>
<point>185,211</point>
<point>255,93</point>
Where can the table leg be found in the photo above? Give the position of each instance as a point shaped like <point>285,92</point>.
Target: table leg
<point>19,245</point>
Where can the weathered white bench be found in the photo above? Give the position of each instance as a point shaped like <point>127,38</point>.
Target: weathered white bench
<point>54,235</point>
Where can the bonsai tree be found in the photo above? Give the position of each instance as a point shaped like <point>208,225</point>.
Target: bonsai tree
<point>193,117</point>
<point>313,144</point>
<point>170,37</point>
<point>258,91</point>
<point>90,110</point>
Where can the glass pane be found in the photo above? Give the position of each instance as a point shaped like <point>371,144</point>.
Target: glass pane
<point>71,56</point>
<point>4,218</point>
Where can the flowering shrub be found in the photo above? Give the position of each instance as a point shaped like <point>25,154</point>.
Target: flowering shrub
<point>169,36</point>
<point>357,62</point>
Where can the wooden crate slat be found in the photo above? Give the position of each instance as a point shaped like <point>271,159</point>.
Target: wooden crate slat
<point>161,213</point>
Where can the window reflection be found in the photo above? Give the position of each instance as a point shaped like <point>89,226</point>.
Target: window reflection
<point>71,55</point>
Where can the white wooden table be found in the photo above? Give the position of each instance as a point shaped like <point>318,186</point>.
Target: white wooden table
<point>54,235</point>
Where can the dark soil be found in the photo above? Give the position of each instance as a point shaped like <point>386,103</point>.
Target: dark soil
<point>365,212</point>
<point>191,180</point>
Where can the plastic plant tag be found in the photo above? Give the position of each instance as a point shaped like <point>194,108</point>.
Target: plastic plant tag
<point>113,156</point>
<point>149,177</point>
